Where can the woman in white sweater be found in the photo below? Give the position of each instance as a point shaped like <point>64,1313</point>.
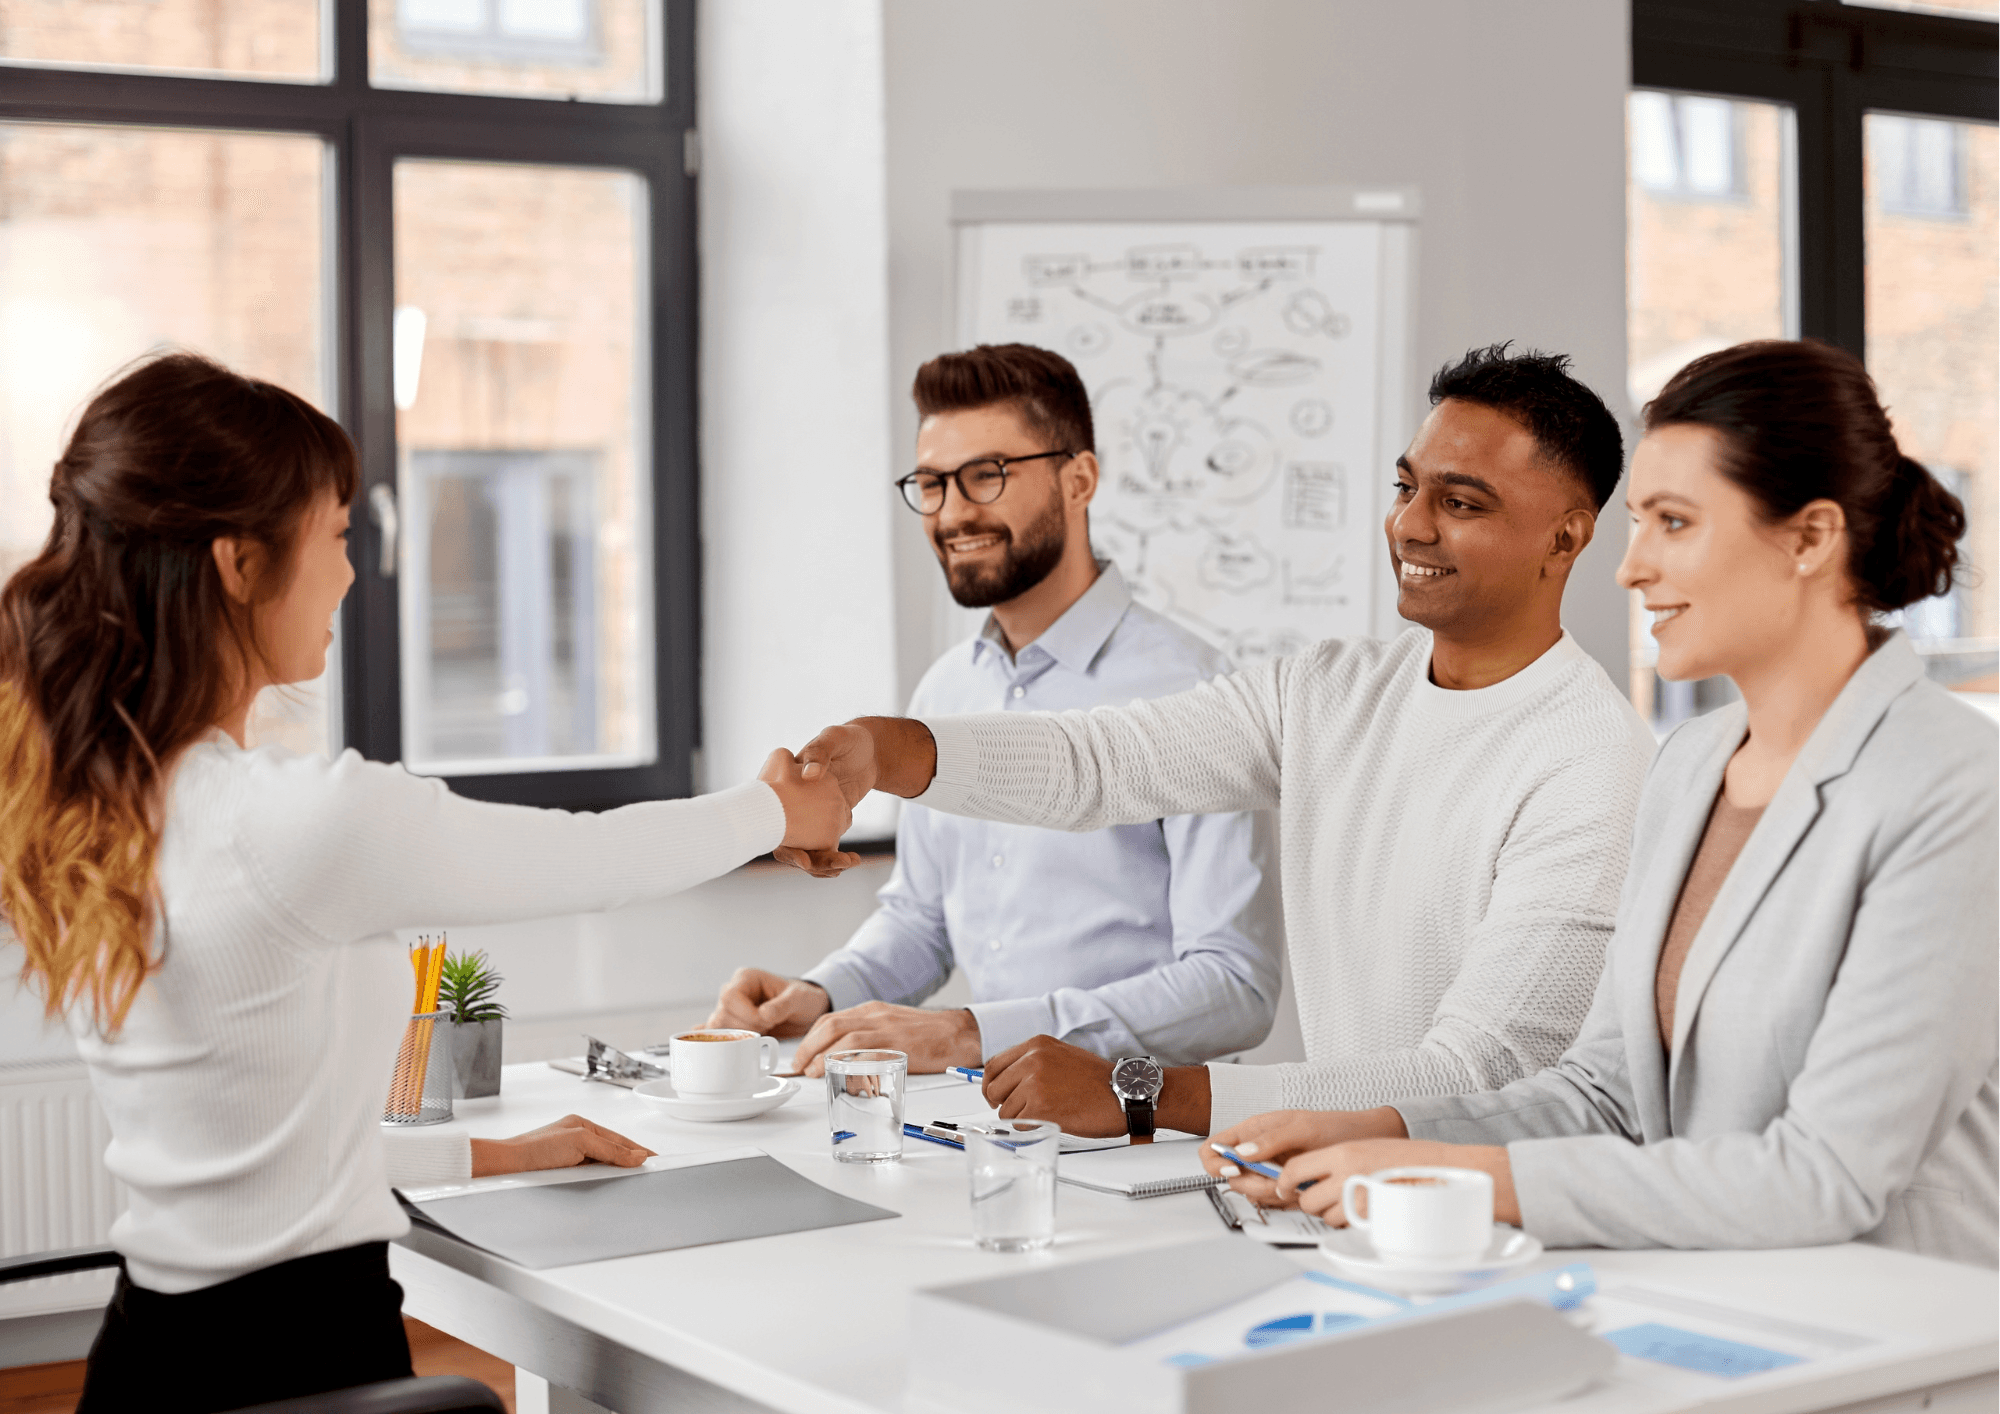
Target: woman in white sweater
<point>216,924</point>
<point>1793,1040</point>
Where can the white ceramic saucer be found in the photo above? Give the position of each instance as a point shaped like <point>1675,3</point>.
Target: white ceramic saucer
<point>1354,1254</point>
<point>772,1093</point>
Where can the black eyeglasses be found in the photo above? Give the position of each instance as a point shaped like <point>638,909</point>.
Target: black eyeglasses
<point>979,482</point>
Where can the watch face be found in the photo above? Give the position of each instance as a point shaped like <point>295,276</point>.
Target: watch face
<point>1137,1077</point>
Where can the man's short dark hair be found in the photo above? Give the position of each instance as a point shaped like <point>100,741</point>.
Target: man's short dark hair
<point>1042,386</point>
<point>1571,424</point>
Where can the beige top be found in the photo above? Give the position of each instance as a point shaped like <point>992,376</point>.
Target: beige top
<point>1728,827</point>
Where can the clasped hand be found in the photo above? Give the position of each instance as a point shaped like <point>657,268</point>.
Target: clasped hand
<point>817,812</point>
<point>841,758</point>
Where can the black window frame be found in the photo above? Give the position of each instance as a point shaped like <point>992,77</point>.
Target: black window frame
<point>366,130</point>
<point>1833,64</point>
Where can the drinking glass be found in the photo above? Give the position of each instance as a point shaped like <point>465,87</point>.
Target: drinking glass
<point>1012,1167</point>
<point>864,1105</point>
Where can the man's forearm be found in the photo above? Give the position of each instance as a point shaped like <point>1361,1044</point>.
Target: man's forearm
<point>905,754</point>
<point>1184,1100</point>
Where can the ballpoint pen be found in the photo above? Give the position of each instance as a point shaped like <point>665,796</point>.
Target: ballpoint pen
<point>925,1133</point>
<point>1268,1170</point>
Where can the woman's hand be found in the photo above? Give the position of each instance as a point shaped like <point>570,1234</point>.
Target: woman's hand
<point>570,1141</point>
<point>816,812</point>
<point>1327,1170</point>
<point>1275,1137</point>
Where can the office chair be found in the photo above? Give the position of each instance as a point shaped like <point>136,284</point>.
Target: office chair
<point>433,1394</point>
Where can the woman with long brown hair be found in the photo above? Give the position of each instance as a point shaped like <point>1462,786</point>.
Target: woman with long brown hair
<point>1793,1039</point>
<point>216,924</point>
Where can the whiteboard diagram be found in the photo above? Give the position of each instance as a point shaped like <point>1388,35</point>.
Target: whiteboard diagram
<point>1235,377</point>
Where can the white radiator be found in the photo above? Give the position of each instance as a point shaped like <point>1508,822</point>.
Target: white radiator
<point>54,1189</point>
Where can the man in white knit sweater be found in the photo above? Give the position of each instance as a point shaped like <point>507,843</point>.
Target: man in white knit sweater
<point>1455,804</point>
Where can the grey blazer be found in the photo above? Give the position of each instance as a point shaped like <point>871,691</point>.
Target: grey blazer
<point>1833,1066</point>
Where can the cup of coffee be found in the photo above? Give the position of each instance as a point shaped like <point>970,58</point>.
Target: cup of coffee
<point>716,1064</point>
<point>1439,1217</point>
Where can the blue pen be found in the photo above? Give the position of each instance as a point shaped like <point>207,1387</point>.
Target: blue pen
<point>916,1131</point>
<point>975,1074</point>
<point>1268,1170</point>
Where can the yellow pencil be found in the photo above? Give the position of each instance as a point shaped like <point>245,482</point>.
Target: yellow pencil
<point>421,1056</point>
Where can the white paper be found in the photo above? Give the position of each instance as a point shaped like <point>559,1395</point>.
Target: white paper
<point>1245,1326</point>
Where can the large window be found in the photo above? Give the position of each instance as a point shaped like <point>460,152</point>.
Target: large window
<point>1806,168</point>
<point>376,204</point>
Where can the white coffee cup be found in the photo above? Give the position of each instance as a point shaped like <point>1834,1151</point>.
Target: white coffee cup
<point>1429,1216</point>
<point>712,1063</point>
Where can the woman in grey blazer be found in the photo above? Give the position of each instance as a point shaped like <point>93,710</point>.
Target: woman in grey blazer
<point>1793,1041</point>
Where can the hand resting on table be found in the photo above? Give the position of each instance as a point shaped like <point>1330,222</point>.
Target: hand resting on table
<point>570,1141</point>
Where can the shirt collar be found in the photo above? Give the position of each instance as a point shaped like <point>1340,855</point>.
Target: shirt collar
<point>1074,639</point>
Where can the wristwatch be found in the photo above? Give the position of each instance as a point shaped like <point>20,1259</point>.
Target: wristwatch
<point>1136,1081</point>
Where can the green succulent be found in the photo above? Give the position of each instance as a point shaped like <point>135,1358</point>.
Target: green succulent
<point>468,985</point>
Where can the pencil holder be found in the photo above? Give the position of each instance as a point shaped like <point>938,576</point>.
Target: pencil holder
<point>420,1088</point>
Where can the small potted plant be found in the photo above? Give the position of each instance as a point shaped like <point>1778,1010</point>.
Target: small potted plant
<point>468,985</point>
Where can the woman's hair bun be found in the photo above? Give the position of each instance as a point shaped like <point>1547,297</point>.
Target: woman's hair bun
<point>1915,552</point>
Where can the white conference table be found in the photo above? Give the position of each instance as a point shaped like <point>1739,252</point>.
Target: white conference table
<point>816,1322</point>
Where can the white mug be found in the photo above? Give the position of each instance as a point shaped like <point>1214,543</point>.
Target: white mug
<point>713,1063</point>
<point>1433,1216</point>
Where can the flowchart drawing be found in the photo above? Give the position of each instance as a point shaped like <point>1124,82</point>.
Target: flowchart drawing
<point>1233,379</point>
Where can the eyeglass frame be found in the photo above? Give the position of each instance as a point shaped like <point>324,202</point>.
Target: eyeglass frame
<point>904,483</point>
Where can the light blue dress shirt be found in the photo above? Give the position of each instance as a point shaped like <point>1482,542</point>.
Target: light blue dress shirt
<point>1159,938</point>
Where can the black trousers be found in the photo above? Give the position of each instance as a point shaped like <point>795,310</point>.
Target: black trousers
<point>305,1326</point>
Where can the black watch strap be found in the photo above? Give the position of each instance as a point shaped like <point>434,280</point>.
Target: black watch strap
<point>1139,1118</point>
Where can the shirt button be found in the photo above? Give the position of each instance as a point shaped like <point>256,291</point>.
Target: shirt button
<point>1020,692</point>
<point>995,945</point>
<point>998,860</point>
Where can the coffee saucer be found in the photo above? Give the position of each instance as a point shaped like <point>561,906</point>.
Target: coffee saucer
<point>771,1093</point>
<point>1352,1252</point>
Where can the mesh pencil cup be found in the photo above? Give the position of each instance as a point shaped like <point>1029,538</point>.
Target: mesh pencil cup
<point>420,1088</point>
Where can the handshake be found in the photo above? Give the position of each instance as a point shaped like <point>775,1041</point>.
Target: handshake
<point>820,786</point>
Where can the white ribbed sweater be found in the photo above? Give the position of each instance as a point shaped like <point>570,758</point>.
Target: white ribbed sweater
<point>1451,860</point>
<point>245,1092</point>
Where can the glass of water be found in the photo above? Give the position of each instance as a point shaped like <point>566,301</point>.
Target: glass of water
<point>1012,1166</point>
<point>864,1105</point>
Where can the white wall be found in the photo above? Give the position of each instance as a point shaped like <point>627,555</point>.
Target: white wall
<point>797,630</point>
<point>1508,114</point>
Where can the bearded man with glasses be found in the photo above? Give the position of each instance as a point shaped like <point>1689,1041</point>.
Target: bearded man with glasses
<point>1158,937</point>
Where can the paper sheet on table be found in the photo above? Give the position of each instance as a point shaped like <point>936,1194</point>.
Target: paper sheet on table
<point>1316,1304</point>
<point>1310,1304</point>
<point>688,1201</point>
<point>1688,1345</point>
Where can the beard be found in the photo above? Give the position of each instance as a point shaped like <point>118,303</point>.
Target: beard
<point>1025,562</point>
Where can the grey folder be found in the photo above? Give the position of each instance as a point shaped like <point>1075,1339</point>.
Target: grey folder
<point>597,1219</point>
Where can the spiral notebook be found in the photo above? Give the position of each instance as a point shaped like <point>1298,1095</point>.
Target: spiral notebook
<point>1139,1170</point>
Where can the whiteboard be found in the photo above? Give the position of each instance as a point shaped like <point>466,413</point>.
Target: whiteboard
<point>1248,383</point>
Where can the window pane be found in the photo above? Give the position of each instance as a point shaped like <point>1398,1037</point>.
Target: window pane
<point>116,241</point>
<point>519,373</point>
<point>1709,263</point>
<point>1932,285</point>
<point>605,50</point>
<point>266,39</point>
